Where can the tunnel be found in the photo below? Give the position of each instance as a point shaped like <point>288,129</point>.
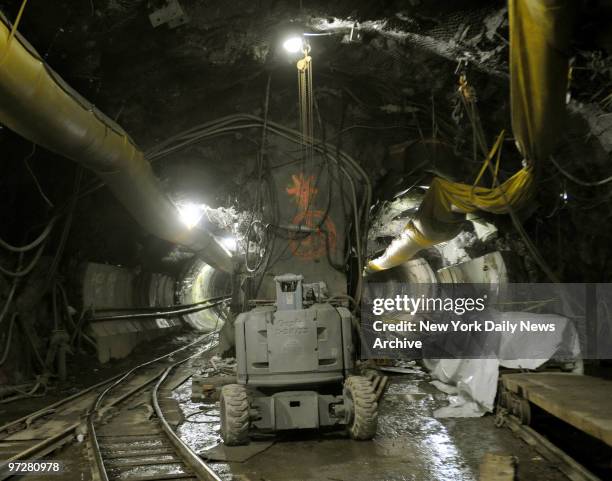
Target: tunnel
<point>305,241</point>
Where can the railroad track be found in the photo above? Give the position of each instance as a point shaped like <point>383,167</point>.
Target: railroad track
<point>157,454</point>
<point>29,438</point>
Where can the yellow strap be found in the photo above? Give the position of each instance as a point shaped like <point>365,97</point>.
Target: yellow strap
<point>13,31</point>
<point>496,149</point>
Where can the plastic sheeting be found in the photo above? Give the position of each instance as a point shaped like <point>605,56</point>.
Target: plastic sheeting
<point>472,383</point>
<point>539,38</point>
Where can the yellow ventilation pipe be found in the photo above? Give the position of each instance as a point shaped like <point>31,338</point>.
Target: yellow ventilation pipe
<point>37,104</point>
<point>539,41</point>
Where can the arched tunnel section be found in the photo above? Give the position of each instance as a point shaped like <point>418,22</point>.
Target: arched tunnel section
<point>200,282</point>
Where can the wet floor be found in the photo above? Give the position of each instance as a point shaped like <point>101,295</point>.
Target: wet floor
<point>410,444</point>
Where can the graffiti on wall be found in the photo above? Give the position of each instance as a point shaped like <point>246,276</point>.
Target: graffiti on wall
<point>303,192</point>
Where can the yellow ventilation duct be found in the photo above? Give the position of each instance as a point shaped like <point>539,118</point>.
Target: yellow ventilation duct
<point>539,39</point>
<point>37,104</point>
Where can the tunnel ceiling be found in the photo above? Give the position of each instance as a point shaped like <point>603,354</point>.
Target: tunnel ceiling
<point>156,81</point>
<point>399,70</point>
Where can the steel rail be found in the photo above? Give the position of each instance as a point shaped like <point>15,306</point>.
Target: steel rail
<point>560,459</point>
<point>201,469</point>
<point>31,417</point>
<point>97,404</point>
<point>51,443</point>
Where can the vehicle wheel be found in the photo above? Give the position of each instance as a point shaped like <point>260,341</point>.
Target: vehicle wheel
<point>362,407</point>
<point>234,402</point>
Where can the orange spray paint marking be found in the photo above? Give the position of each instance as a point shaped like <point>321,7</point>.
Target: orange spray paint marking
<point>302,190</point>
<point>315,245</point>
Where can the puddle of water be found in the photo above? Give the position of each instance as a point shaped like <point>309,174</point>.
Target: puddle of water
<point>405,413</point>
<point>146,471</point>
<point>112,463</point>
<point>198,435</point>
<point>410,444</point>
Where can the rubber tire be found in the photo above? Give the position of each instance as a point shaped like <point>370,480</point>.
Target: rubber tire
<point>234,403</point>
<point>364,419</point>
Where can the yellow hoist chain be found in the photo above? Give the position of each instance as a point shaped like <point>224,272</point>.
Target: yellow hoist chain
<point>304,67</point>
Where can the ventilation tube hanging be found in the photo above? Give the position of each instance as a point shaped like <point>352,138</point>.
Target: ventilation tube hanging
<point>37,104</point>
<point>539,39</point>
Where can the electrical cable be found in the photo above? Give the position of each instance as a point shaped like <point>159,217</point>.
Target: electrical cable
<point>225,125</point>
<point>357,237</point>
<point>76,327</point>
<point>54,307</point>
<point>158,308</point>
<point>29,268</point>
<point>258,207</point>
<point>159,314</point>
<point>33,346</point>
<point>245,121</point>
<point>203,421</point>
<point>22,394</point>
<point>8,301</point>
<point>41,242</point>
<point>328,159</point>
<point>165,148</point>
<point>9,337</point>
<point>249,268</point>
<point>34,178</point>
<point>578,181</point>
<point>28,247</point>
<point>528,242</point>
<point>66,229</point>
<point>474,118</point>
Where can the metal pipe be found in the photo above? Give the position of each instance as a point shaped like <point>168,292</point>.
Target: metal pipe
<point>430,226</point>
<point>160,314</point>
<point>150,309</point>
<point>37,104</point>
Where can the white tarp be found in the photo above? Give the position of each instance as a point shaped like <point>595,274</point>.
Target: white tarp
<point>472,383</point>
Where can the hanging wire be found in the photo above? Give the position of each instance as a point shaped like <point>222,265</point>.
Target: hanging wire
<point>9,337</point>
<point>578,181</point>
<point>258,208</point>
<point>238,122</point>
<point>34,178</point>
<point>9,298</point>
<point>36,242</point>
<point>66,229</point>
<point>469,101</point>
<point>29,268</point>
<point>206,412</point>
